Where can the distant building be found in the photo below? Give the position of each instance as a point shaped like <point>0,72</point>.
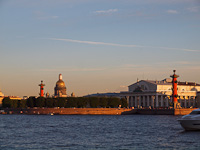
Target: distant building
<point>11,97</point>
<point>104,95</point>
<point>47,95</point>
<point>155,94</point>
<point>60,88</point>
<point>72,94</point>
<point>14,97</point>
<point>1,98</point>
<point>198,99</point>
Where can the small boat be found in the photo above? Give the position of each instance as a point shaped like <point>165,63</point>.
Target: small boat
<point>51,114</point>
<point>191,121</point>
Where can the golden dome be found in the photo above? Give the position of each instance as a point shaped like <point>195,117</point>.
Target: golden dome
<point>60,88</point>
<point>60,83</point>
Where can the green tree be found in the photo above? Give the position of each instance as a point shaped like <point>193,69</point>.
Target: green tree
<point>114,102</point>
<point>22,103</point>
<point>40,102</point>
<point>31,102</point>
<point>49,102</point>
<point>71,102</point>
<point>124,102</point>
<point>94,102</point>
<point>82,102</point>
<point>14,103</point>
<point>6,102</point>
<point>55,102</point>
<point>61,101</point>
<point>103,102</point>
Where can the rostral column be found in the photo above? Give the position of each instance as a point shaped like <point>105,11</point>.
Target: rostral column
<point>174,88</point>
<point>41,89</point>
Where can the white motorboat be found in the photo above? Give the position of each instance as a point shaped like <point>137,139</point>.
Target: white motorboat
<point>191,121</point>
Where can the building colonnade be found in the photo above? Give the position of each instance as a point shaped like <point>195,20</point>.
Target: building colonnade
<point>159,100</point>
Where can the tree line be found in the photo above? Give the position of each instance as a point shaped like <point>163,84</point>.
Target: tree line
<point>68,102</point>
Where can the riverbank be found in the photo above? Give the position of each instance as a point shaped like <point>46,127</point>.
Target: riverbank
<point>95,111</point>
<point>66,111</point>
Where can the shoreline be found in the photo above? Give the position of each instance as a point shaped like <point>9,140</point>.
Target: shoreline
<point>95,111</point>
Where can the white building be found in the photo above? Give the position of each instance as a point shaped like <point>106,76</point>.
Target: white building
<point>156,94</point>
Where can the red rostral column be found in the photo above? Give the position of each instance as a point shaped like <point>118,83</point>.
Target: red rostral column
<point>174,88</point>
<point>41,89</point>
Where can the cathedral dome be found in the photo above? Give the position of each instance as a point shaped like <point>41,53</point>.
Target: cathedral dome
<point>60,88</point>
<point>60,83</point>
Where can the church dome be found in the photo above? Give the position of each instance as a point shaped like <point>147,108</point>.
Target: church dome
<point>60,83</point>
<point>60,88</point>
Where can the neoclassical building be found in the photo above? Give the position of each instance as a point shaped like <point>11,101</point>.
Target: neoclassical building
<point>157,94</point>
<point>60,88</point>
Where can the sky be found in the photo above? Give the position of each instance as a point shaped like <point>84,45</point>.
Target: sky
<point>97,45</point>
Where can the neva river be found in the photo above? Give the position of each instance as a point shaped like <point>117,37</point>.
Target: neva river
<point>78,132</point>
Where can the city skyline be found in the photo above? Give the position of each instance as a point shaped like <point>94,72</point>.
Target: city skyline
<point>98,46</point>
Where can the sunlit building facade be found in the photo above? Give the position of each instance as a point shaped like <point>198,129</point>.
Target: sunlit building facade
<point>1,98</point>
<point>158,94</point>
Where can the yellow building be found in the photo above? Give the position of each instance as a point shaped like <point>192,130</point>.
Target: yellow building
<point>1,98</point>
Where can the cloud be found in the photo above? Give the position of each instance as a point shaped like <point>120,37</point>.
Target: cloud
<point>172,11</point>
<point>193,9</point>
<point>109,11</point>
<point>94,43</point>
<point>54,17</point>
<point>121,45</point>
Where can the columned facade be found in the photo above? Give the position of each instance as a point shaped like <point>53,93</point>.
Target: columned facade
<point>147,100</point>
<point>158,94</point>
<point>156,100</point>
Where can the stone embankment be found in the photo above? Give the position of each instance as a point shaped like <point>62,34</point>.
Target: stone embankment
<point>67,111</point>
<point>95,111</point>
<point>183,111</point>
<point>175,112</point>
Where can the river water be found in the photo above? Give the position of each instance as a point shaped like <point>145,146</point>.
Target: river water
<point>91,132</point>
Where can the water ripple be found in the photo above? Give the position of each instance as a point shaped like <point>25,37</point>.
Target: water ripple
<point>35,132</point>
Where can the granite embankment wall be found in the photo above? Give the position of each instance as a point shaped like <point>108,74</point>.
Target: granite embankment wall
<point>155,111</point>
<point>97,111</point>
<point>68,111</point>
<point>183,111</point>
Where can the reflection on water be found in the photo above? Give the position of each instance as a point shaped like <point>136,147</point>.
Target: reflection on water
<point>94,132</point>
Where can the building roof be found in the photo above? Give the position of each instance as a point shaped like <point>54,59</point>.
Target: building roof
<point>168,81</point>
<point>163,82</point>
<point>188,83</point>
<point>103,95</point>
